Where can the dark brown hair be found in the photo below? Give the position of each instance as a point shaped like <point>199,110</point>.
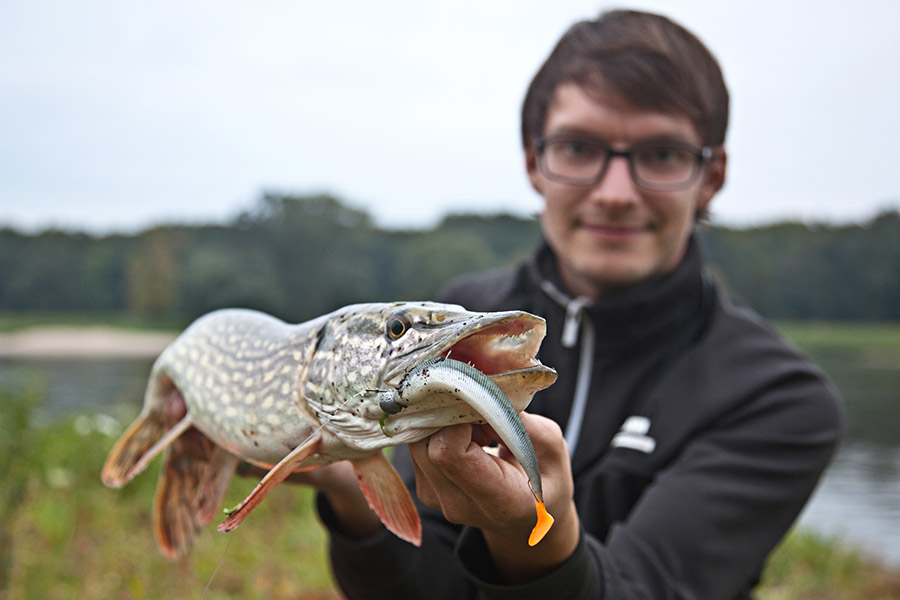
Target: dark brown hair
<point>651,61</point>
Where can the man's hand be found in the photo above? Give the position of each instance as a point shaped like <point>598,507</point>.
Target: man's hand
<point>337,482</point>
<point>490,491</point>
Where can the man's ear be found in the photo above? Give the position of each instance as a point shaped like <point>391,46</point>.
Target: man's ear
<point>713,178</point>
<point>531,166</point>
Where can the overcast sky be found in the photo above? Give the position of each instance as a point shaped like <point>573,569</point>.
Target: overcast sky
<point>116,115</point>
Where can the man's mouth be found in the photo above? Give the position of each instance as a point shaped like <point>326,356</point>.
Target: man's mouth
<point>612,230</point>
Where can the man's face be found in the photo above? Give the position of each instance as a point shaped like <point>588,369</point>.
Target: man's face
<point>614,233</point>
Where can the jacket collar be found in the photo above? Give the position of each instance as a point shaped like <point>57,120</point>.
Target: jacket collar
<point>653,310</point>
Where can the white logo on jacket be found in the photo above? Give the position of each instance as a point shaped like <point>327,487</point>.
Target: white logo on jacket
<point>633,434</point>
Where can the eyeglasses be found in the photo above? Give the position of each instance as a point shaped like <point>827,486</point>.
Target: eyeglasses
<point>654,165</point>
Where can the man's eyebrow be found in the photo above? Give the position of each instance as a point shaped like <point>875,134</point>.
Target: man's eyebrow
<point>576,134</point>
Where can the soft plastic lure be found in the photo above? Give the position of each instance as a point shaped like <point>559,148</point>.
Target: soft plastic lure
<point>445,376</point>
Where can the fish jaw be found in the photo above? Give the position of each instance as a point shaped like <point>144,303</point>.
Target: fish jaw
<point>493,342</point>
<point>503,345</point>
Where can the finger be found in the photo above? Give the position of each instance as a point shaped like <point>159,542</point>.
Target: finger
<point>424,490</point>
<point>546,436</point>
<point>449,444</point>
<point>553,457</point>
<point>466,465</point>
<point>433,487</point>
<point>484,434</point>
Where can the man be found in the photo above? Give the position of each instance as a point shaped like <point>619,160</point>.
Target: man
<point>682,437</point>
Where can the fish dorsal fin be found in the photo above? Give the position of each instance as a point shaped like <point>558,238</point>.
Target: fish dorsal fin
<point>388,497</point>
<point>276,475</point>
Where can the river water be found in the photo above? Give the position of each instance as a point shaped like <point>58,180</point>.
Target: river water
<point>858,500</point>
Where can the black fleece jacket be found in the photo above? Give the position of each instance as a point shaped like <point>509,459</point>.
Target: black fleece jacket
<point>701,437</point>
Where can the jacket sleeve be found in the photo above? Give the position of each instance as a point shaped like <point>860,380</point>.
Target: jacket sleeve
<point>385,566</point>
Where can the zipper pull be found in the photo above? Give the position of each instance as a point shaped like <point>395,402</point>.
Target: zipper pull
<point>572,323</point>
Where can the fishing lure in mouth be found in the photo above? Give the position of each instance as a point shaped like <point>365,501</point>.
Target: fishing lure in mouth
<point>442,376</point>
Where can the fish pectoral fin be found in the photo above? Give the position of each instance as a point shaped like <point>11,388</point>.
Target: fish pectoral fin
<point>276,475</point>
<point>137,447</point>
<point>214,484</point>
<point>388,497</point>
<point>175,521</point>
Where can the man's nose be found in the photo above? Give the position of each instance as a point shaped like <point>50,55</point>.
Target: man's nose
<point>617,185</point>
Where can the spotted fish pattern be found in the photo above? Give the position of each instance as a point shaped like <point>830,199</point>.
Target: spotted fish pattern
<point>243,386</point>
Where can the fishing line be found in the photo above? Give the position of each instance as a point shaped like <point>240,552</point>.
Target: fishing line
<point>218,566</point>
<point>231,533</point>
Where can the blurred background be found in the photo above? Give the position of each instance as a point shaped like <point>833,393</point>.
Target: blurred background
<point>160,160</point>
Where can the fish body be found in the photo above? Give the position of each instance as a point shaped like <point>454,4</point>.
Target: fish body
<point>239,385</point>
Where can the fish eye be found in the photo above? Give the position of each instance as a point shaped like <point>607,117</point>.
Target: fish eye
<point>398,325</point>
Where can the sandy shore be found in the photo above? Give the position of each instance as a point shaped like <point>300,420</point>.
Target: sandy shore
<point>83,342</point>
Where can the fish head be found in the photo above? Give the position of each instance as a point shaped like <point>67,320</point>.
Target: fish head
<point>365,351</point>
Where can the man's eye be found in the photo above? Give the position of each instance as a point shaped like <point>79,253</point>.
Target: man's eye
<point>573,149</point>
<point>580,148</point>
<point>663,155</point>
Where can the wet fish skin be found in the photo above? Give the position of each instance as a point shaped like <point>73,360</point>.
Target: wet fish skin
<point>239,385</point>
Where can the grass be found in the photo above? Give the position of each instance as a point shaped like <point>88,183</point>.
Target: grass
<point>64,535</point>
<point>806,566</point>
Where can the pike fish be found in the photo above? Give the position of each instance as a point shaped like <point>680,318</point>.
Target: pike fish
<point>242,386</point>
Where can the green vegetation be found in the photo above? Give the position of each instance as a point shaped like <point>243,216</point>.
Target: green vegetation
<point>64,535</point>
<point>807,566</point>
<point>298,257</point>
<point>796,271</point>
<point>819,336</point>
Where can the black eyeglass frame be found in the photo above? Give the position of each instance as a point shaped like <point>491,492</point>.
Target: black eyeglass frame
<point>702,155</point>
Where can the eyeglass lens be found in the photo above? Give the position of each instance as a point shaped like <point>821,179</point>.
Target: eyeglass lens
<point>653,165</point>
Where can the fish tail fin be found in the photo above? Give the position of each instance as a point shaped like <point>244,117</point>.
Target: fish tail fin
<point>175,517</point>
<point>276,475</point>
<point>388,497</point>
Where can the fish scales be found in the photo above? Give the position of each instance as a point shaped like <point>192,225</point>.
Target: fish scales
<point>250,395</point>
<point>240,385</point>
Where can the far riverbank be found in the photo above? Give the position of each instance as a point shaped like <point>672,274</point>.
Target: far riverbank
<point>96,341</point>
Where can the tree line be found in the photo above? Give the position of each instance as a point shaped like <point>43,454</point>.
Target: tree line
<point>301,256</point>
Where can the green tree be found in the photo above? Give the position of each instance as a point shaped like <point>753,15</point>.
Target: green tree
<point>153,272</point>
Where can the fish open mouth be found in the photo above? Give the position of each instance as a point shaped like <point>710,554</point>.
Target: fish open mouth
<point>503,347</point>
<point>507,345</point>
